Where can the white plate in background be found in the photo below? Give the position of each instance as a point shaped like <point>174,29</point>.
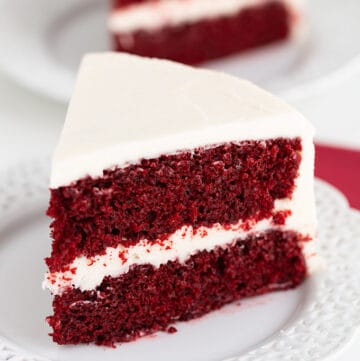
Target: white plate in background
<point>42,41</point>
<point>311,322</point>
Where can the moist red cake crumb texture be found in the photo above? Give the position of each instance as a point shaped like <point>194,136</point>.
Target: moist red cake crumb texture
<point>148,299</point>
<point>154,198</point>
<point>209,38</point>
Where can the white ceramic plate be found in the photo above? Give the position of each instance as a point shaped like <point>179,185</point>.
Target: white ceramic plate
<point>42,41</point>
<point>308,323</point>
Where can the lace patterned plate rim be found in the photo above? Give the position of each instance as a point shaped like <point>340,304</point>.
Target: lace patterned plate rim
<point>324,312</point>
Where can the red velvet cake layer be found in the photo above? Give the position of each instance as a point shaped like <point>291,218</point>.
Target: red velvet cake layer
<point>207,39</point>
<point>154,198</point>
<point>148,299</point>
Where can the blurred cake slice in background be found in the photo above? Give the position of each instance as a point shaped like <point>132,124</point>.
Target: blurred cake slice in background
<point>194,31</point>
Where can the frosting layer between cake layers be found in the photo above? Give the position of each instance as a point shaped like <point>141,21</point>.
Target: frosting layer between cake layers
<point>152,15</point>
<point>88,273</point>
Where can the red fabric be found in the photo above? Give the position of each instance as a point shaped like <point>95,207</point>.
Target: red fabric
<point>341,168</point>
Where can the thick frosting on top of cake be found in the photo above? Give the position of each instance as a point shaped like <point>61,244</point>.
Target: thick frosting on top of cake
<point>125,108</point>
<point>156,14</point>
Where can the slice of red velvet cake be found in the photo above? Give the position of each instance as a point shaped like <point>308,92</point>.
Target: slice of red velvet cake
<point>193,31</point>
<point>174,191</point>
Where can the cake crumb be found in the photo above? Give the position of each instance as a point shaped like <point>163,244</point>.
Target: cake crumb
<point>171,329</point>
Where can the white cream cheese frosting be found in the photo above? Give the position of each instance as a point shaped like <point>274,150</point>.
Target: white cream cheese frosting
<point>125,108</point>
<point>152,15</point>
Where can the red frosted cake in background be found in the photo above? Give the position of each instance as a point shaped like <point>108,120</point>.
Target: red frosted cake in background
<point>193,31</point>
<point>174,191</point>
